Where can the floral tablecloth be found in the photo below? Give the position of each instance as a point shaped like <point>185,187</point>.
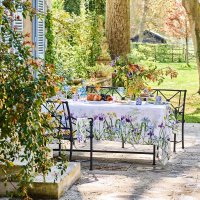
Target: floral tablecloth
<point>146,124</point>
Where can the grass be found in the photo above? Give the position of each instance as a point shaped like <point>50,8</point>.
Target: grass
<point>187,79</point>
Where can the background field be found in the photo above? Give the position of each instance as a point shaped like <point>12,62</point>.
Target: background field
<point>187,79</point>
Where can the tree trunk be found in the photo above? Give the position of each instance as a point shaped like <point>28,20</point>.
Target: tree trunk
<point>118,27</point>
<point>143,21</point>
<point>186,42</point>
<point>193,10</point>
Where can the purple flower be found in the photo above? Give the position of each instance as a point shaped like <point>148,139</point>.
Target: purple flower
<point>128,119</point>
<point>135,131</point>
<point>101,117</point>
<point>122,118</point>
<point>129,75</point>
<point>112,64</point>
<point>161,125</point>
<point>95,117</point>
<point>150,131</point>
<point>79,138</point>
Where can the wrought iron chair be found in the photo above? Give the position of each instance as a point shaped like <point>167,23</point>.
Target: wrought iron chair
<point>65,126</point>
<point>177,99</point>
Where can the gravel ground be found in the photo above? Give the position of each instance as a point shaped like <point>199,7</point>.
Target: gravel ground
<point>133,177</point>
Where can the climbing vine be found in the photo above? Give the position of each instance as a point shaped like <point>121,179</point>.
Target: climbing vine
<point>22,124</point>
<point>50,52</point>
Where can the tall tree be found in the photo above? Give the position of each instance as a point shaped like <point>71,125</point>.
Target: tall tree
<point>177,24</point>
<point>143,20</point>
<point>193,10</point>
<point>118,26</point>
<point>149,15</point>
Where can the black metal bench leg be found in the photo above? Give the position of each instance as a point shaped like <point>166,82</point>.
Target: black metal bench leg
<point>157,155</point>
<point>71,149</point>
<point>154,154</point>
<point>91,145</point>
<point>175,142</point>
<point>183,135</point>
<point>59,146</point>
<point>122,143</point>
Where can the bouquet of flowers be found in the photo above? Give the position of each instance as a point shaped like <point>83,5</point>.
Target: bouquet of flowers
<point>135,78</point>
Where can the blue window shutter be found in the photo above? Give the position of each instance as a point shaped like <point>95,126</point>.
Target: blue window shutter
<point>17,23</point>
<point>19,20</point>
<point>40,30</point>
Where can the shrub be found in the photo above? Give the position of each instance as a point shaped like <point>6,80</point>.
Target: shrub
<point>77,41</point>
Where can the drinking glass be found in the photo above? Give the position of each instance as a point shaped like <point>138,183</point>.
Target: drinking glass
<point>66,89</point>
<point>121,91</point>
<point>80,92</point>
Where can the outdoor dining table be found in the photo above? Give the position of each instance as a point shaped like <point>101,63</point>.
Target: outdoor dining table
<point>146,124</point>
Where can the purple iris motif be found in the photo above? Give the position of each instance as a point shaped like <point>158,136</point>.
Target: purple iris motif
<point>135,131</point>
<point>128,119</point>
<point>95,117</point>
<point>150,131</point>
<point>112,64</point>
<point>101,117</point>
<point>161,125</point>
<point>129,75</point>
<point>123,118</point>
<point>79,138</point>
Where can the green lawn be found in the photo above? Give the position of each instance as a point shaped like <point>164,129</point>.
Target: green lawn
<point>187,79</point>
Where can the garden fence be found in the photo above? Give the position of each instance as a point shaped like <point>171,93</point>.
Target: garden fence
<point>164,52</point>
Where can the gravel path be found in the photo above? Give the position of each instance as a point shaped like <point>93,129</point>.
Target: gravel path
<point>123,177</point>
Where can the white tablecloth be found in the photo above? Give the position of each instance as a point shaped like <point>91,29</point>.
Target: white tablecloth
<point>145,124</point>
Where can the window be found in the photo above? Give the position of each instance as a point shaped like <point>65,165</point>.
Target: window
<point>39,29</point>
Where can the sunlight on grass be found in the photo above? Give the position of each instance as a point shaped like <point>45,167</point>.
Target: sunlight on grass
<point>187,79</point>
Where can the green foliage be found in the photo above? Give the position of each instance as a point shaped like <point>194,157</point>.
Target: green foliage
<point>50,52</point>
<point>25,84</point>
<point>97,6</point>
<point>135,77</point>
<point>77,41</point>
<point>73,6</point>
<point>187,80</point>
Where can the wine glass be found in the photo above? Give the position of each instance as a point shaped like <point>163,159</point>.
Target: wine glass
<point>84,93</point>
<point>80,92</point>
<point>66,89</point>
<point>121,90</point>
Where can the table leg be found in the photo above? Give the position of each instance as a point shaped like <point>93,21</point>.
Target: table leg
<point>154,154</point>
<point>91,145</point>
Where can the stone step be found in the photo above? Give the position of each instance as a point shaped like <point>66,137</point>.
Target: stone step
<point>54,185</point>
